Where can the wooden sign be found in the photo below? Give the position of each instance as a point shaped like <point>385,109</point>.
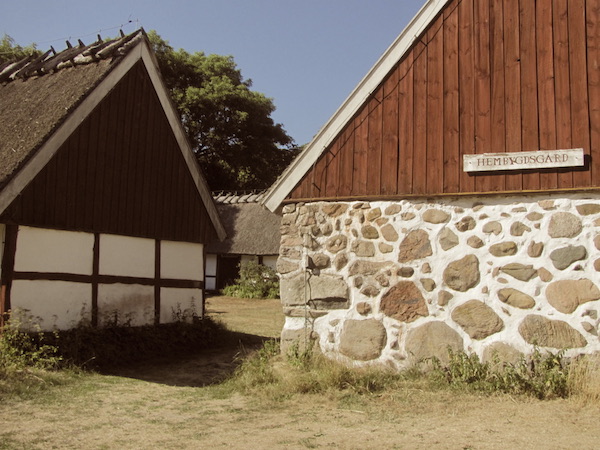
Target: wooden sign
<point>541,159</point>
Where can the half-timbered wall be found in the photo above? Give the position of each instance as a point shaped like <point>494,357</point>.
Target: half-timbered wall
<point>121,172</point>
<point>486,76</point>
<point>61,279</point>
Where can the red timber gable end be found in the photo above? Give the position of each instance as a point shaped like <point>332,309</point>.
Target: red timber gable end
<point>117,162</point>
<point>120,172</point>
<point>484,76</point>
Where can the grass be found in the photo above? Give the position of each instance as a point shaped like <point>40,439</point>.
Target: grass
<point>302,399</point>
<point>29,363</point>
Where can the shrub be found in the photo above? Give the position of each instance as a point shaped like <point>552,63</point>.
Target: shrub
<point>20,351</point>
<point>255,281</point>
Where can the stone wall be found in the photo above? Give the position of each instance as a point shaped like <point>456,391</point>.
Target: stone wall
<point>393,282</point>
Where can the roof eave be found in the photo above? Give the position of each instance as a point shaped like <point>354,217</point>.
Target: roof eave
<point>395,52</point>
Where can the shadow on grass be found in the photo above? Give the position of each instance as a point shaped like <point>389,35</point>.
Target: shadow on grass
<point>189,367</point>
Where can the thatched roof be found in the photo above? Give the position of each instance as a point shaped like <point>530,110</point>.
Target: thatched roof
<point>38,94</point>
<point>251,228</point>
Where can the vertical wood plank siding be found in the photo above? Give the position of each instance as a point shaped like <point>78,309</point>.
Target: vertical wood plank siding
<point>120,172</point>
<point>486,76</point>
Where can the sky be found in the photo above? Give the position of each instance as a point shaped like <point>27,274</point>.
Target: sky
<point>307,55</point>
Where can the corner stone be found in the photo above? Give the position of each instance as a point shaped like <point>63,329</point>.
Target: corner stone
<point>324,292</point>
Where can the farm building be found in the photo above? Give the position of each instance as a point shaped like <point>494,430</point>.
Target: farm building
<point>104,212</point>
<point>453,200</point>
<point>252,235</point>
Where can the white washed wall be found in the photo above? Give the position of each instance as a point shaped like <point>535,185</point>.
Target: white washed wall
<point>51,304</point>
<point>64,304</point>
<point>125,304</point>
<point>126,256</point>
<point>180,304</point>
<point>181,260</point>
<point>41,250</point>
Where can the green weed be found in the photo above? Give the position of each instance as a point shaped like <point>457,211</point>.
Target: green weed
<point>541,375</point>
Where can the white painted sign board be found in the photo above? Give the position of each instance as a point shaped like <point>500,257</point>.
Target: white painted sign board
<point>541,159</point>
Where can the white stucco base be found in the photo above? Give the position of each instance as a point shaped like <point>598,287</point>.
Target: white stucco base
<point>178,304</point>
<point>125,304</point>
<point>51,304</point>
<point>54,284</point>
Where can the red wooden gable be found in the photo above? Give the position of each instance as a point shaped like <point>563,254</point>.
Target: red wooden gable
<point>483,76</point>
<point>121,171</point>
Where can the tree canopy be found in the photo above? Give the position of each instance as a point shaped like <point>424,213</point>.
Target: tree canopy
<point>237,143</point>
<point>10,51</point>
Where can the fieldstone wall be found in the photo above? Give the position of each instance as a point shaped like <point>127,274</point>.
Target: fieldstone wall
<point>393,282</point>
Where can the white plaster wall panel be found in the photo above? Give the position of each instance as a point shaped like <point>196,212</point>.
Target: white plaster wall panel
<point>126,256</point>
<point>182,260</point>
<point>125,304</point>
<point>43,250</point>
<point>178,304</point>
<point>270,261</point>
<point>51,304</point>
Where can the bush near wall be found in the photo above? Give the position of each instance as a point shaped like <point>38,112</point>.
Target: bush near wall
<point>255,281</point>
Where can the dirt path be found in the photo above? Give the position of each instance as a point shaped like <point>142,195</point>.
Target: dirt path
<point>176,404</point>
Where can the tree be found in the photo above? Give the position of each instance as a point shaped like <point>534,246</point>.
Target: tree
<point>9,51</point>
<point>238,145</point>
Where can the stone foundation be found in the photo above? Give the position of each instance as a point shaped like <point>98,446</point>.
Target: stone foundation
<point>394,282</point>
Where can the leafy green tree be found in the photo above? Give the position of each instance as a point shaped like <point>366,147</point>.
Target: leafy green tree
<point>9,51</point>
<point>230,126</point>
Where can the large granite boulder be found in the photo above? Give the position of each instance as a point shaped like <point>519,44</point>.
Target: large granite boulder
<point>362,340</point>
<point>477,319</point>
<point>404,302</point>
<point>432,339</point>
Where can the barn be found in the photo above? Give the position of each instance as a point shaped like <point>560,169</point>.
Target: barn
<point>453,200</point>
<point>104,212</point>
<point>252,235</point>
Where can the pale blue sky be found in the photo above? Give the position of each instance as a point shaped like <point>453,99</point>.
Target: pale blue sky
<point>308,55</point>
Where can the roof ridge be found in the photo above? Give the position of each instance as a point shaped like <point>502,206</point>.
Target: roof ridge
<point>241,196</point>
<point>51,61</point>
